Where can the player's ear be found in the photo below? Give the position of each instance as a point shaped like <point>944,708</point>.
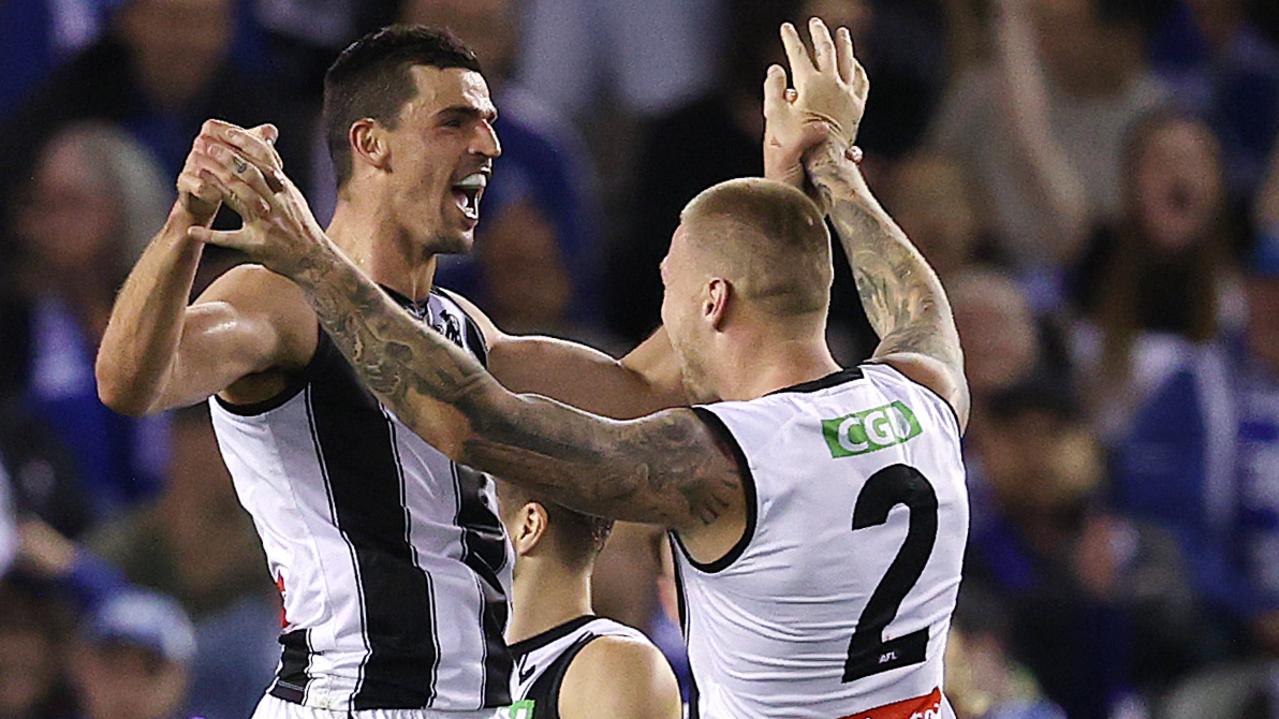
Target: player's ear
<point>529,528</point>
<point>369,143</point>
<point>715,303</point>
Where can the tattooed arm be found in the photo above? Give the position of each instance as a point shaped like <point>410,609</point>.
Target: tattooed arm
<point>901,294</point>
<point>666,468</point>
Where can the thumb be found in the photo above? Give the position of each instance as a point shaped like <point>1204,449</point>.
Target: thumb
<point>774,89</point>
<point>236,240</point>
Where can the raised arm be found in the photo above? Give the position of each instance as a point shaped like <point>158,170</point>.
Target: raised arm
<point>667,468</point>
<point>900,293</point>
<point>158,352</point>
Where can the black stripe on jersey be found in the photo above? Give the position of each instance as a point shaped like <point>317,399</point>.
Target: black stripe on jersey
<point>537,641</point>
<point>681,603</point>
<point>295,663</point>
<point>721,431</point>
<point>356,444</point>
<point>484,551</point>
<point>831,380</point>
<point>545,692</point>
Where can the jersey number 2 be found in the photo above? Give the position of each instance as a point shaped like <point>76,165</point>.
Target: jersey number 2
<point>868,652</point>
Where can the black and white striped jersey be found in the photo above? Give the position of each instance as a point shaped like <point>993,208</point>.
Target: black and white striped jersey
<point>541,661</point>
<point>392,563</point>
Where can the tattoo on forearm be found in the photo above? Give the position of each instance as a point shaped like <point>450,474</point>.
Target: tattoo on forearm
<point>901,294</point>
<point>665,468</point>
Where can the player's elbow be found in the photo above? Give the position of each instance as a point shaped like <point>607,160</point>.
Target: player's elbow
<point>117,390</point>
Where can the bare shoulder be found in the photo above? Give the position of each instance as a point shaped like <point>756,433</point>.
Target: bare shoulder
<point>946,381</point>
<point>270,302</point>
<point>620,677</point>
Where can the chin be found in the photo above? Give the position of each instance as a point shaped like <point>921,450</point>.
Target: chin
<point>453,243</point>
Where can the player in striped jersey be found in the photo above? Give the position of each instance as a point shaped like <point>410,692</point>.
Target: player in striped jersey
<point>393,566</point>
<point>569,663</point>
<point>819,513</point>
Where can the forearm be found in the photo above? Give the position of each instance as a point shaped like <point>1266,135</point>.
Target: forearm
<point>651,472</point>
<point>900,293</point>
<point>139,347</point>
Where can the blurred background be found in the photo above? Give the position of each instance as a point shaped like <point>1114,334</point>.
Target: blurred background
<point>1096,181</point>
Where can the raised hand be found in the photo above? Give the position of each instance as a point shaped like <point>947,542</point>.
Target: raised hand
<point>279,229</point>
<point>827,102</point>
<point>202,198</point>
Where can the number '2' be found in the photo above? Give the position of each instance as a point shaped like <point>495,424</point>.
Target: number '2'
<point>868,653</point>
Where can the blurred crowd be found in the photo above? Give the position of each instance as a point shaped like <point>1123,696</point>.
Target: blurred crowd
<point>1096,182</point>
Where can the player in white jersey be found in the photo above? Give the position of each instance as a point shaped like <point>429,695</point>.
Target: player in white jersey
<point>819,512</point>
<point>569,663</point>
<point>393,566</point>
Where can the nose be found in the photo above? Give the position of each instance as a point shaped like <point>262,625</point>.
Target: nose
<point>485,141</point>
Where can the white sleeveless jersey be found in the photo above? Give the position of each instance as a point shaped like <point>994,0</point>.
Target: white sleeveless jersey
<point>837,600</point>
<point>392,563</point>
<point>542,661</point>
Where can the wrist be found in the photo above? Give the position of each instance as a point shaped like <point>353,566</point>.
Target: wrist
<point>827,159</point>
<point>181,216</point>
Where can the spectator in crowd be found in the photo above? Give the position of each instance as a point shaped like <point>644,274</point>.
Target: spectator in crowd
<point>196,544</point>
<point>1160,279</point>
<point>41,471</point>
<point>1098,604</point>
<point>1201,459</point>
<point>1221,65</point>
<point>163,69</point>
<point>133,658</point>
<point>983,681</point>
<point>1066,79</point>
<point>931,198</point>
<point>94,202</point>
<point>536,261</point>
<point>33,652</point>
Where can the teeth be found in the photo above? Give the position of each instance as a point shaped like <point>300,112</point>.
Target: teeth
<point>474,181</point>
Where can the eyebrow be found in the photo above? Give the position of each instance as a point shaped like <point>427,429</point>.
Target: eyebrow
<point>469,111</point>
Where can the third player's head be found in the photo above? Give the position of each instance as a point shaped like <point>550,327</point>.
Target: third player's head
<point>544,532</point>
<point>749,271</point>
<point>409,125</point>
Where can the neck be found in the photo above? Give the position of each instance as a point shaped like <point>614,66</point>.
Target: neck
<point>748,373</point>
<point>546,595</point>
<point>381,249</point>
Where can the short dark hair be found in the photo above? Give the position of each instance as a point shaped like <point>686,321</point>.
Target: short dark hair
<point>576,537</point>
<point>371,79</point>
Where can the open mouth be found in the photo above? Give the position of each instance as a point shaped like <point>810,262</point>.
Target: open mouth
<point>467,192</point>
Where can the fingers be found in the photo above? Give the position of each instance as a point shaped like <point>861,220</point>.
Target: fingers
<point>235,240</point>
<point>248,201</point>
<point>774,90</point>
<point>230,166</point>
<point>844,50</point>
<point>861,82</point>
<point>801,66</point>
<point>823,45</point>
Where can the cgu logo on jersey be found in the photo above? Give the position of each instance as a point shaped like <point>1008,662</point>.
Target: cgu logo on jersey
<point>870,430</point>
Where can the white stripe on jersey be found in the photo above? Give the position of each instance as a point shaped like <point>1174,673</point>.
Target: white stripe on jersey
<point>770,628</point>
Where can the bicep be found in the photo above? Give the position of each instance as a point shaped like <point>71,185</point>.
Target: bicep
<point>229,334</point>
<point>619,678</point>
<point>586,377</point>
